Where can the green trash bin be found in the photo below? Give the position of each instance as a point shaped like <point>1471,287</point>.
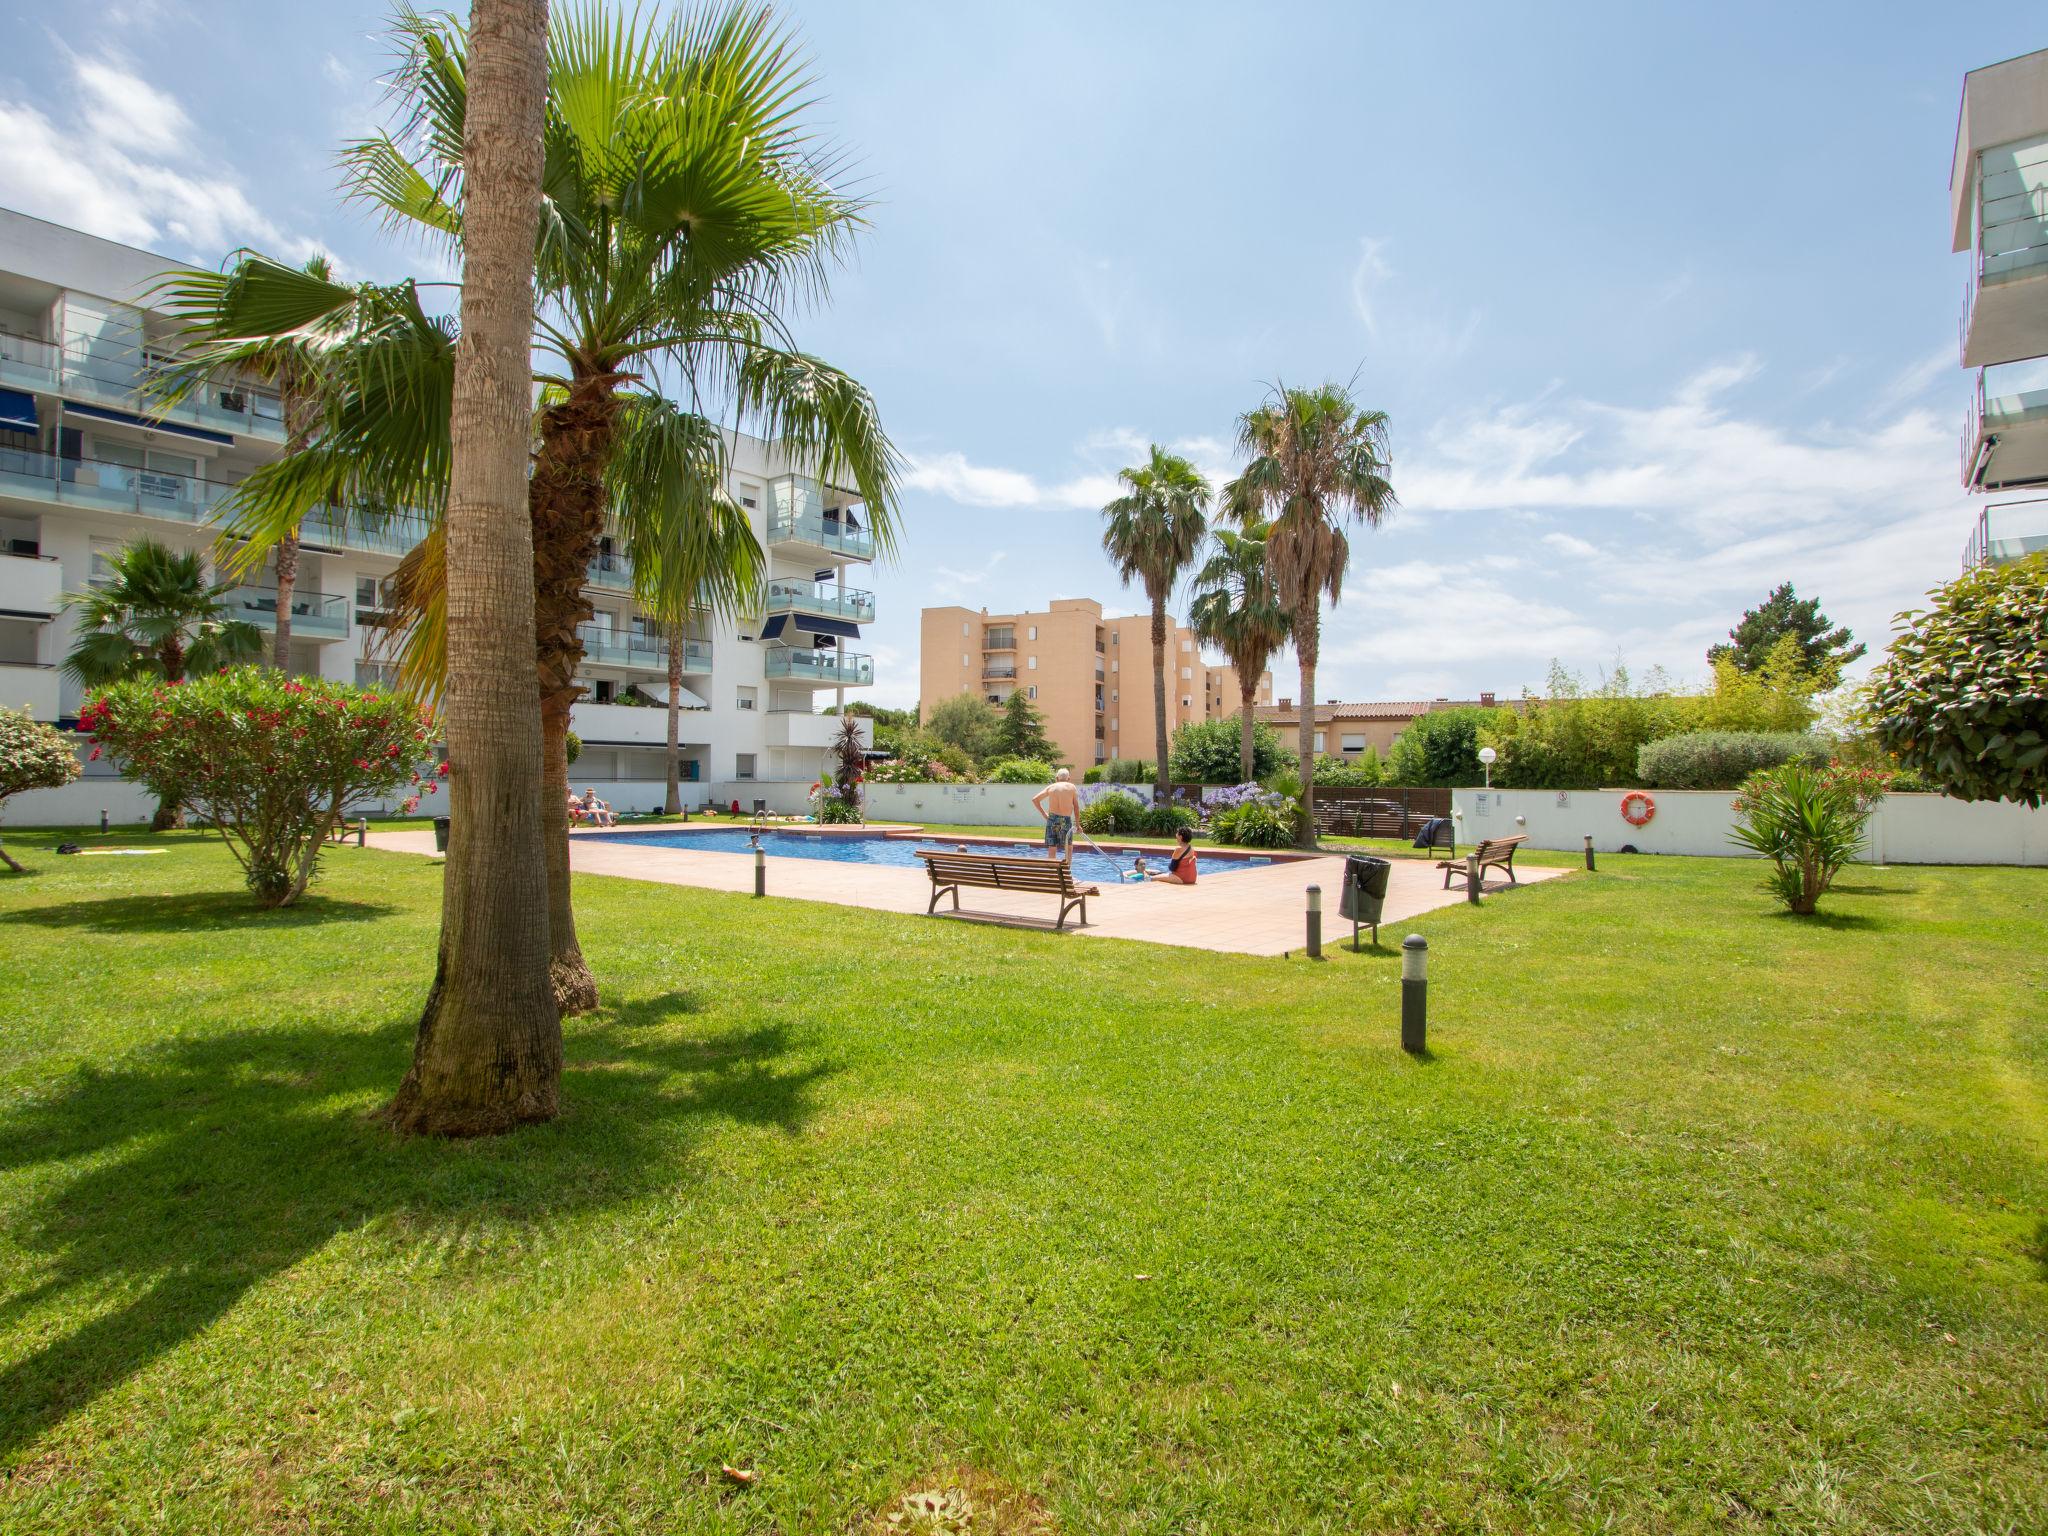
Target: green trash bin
<point>440,834</point>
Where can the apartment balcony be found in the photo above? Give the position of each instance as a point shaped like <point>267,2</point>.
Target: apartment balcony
<point>2005,435</point>
<point>30,586</point>
<point>605,647</point>
<point>822,668</point>
<point>999,672</point>
<point>31,686</point>
<point>315,615</point>
<point>376,533</point>
<point>801,728</point>
<point>86,483</point>
<point>814,523</point>
<point>821,600</point>
<point>613,571</point>
<point>1998,209</point>
<point>119,378</point>
<point>634,725</point>
<point>2006,531</point>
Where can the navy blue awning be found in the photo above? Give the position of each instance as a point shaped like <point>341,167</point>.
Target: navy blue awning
<point>105,413</point>
<point>17,410</point>
<point>771,627</point>
<point>839,629</point>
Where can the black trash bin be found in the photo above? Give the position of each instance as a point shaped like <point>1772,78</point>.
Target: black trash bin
<point>440,834</point>
<point>1365,893</point>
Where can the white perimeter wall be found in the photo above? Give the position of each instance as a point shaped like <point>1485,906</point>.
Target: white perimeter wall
<point>1904,829</point>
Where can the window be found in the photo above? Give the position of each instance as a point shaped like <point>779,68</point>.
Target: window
<point>1031,692</point>
<point>1116,637</point>
<point>1185,647</point>
<point>1112,695</point>
<point>606,691</point>
<point>1031,633</point>
<point>965,630</point>
<point>1319,741</point>
<point>1031,664</point>
<point>966,660</point>
<point>376,674</point>
<point>748,697</point>
<point>103,552</point>
<point>1186,702</point>
<point>1186,674</point>
<point>1112,666</point>
<point>1352,741</point>
<point>743,765</point>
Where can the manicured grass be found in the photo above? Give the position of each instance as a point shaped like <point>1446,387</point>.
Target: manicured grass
<point>1698,1218</point>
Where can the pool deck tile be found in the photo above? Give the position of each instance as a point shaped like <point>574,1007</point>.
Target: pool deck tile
<point>1256,911</point>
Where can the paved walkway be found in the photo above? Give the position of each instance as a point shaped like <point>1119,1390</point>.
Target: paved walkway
<point>1257,911</point>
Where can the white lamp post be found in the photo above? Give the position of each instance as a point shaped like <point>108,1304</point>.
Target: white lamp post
<point>1486,757</point>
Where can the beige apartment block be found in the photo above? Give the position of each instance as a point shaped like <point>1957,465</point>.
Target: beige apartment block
<point>1090,676</point>
<point>1347,729</point>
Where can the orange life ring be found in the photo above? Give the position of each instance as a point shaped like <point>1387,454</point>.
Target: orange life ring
<point>1637,808</point>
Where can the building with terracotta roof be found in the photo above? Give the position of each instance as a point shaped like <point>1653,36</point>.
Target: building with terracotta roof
<point>1347,729</point>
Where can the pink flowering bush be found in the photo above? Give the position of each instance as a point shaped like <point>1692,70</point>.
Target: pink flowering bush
<point>274,762</point>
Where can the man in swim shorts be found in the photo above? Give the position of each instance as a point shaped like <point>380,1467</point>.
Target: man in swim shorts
<point>1060,804</point>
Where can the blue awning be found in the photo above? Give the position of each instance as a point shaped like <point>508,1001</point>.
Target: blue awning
<point>17,410</point>
<point>151,423</point>
<point>771,627</point>
<point>839,629</point>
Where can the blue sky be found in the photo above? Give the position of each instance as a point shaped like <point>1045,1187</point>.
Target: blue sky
<point>1659,298</point>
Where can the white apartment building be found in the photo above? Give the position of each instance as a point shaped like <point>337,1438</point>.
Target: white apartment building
<point>1998,212</point>
<point>86,466</point>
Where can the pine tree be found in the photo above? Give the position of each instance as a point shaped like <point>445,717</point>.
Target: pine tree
<point>1022,730</point>
<point>1826,650</point>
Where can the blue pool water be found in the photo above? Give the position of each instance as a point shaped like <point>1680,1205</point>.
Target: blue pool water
<point>900,852</point>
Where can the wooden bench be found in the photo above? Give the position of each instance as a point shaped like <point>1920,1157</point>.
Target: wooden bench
<point>1005,872</point>
<point>1495,850</point>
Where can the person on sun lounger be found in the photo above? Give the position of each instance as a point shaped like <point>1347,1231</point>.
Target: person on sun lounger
<point>599,811</point>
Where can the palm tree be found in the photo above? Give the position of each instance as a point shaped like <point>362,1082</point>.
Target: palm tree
<point>686,209</point>
<point>1236,609</point>
<point>213,347</point>
<point>488,1055</point>
<point>1152,533</point>
<point>156,615</point>
<point>1317,461</point>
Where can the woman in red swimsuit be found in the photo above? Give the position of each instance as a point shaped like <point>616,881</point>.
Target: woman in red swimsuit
<point>1180,869</point>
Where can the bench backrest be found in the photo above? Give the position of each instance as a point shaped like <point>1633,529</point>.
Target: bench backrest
<point>1000,872</point>
<point>1495,845</point>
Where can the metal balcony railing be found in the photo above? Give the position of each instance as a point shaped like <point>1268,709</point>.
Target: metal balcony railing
<point>122,375</point>
<point>2007,530</point>
<point>612,570</point>
<point>622,648</point>
<point>314,614</point>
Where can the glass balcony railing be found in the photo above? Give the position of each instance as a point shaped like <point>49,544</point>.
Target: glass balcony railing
<point>622,648</point>
<point>315,615</point>
<point>119,375</point>
<point>831,668</point>
<point>382,533</point>
<point>2008,530</point>
<point>110,487</point>
<point>798,514</point>
<point>612,570</point>
<point>696,656</point>
<point>821,598</point>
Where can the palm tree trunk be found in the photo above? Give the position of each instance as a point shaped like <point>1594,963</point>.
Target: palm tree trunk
<point>567,501</point>
<point>1161,790</point>
<point>1308,620</point>
<point>287,552</point>
<point>170,656</point>
<point>1247,685</point>
<point>488,1056</point>
<point>673,804</point>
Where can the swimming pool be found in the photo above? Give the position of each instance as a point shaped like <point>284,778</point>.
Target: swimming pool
<point>897,852</point>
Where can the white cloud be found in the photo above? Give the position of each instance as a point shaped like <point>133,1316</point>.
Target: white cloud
<point>124,163</point>
<point>1370,271</point>
<point>952,476</point>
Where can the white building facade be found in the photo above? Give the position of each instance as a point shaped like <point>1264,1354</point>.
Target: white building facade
<point>87,466</point>
<point>1998,212</point>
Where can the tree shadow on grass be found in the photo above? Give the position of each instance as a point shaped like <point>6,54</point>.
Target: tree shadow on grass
<point>1839,889</point>
<point>1825,919</point>
<point>211,911</point>
<point>210,1165</point>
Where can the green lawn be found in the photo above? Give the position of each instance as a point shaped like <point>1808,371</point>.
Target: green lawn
<point>1698,1218</point>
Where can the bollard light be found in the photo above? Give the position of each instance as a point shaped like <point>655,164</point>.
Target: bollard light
<point>760,869</point>
<point>1315,922</point>
<point>1472,878</point>
<point>1415,994</point>
<point>103,819</point>
<point>1589,850</point>
<point>363,832</point>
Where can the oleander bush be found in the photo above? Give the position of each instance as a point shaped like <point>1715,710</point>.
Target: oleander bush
<point>1808,821</point>
<point>1723,759</point>
<point>272,762</point>
<point>32,756</point>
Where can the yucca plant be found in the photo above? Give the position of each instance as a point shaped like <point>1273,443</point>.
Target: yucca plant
<point>1808,822</point>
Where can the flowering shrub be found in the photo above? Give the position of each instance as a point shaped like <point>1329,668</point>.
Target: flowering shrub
<point>1117,813</point>
<point>273,762</point>
<point>1808,822</point>
<point>911,770</point>
<point>1252,815</point>
<point>32,756</point>
<point>1019,770</point>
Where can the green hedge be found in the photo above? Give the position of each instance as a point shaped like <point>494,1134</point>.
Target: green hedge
<point>1115,813</point>
<point>1723,759</point>
<point>1120,770</point>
